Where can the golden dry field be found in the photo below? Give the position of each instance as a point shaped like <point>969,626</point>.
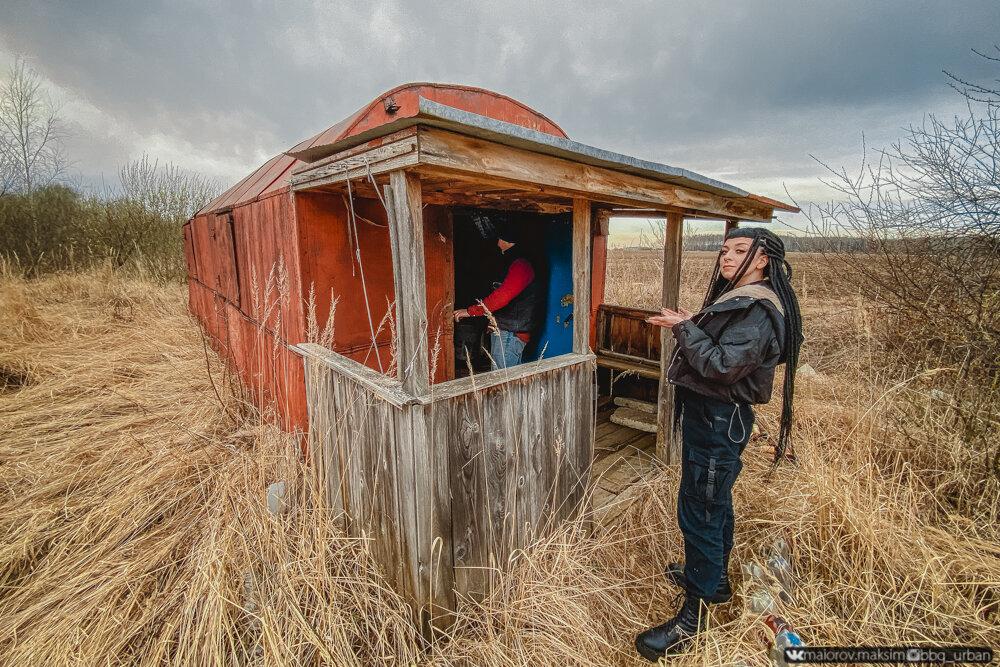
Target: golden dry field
<point>136,531</point>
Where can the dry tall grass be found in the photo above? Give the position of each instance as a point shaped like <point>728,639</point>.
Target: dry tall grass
<point>136,530</point>
<point>133,513</point>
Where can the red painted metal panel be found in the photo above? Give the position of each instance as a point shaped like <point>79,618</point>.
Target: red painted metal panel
<point>269,266</point>
<point>272,374</point>
<point>405,97</point>
<point>331,270</point>
<point>189,260</point>
<point>252,333</point>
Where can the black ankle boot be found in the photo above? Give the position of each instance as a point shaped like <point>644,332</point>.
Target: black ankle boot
<point>670,638</point>
<point>724,593</point>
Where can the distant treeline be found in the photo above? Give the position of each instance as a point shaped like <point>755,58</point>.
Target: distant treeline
<point>711,242</point>
<point>885,243</point>
<point>792,243</point>
<point>57,227</point>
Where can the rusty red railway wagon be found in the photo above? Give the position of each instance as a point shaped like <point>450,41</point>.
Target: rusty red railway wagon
<point>445,470</point>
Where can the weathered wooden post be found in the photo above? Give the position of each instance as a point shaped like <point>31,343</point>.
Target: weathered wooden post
<point>584,403</point>
<point>424,505</point>
<point>581,276</point>
<point>668,445</point>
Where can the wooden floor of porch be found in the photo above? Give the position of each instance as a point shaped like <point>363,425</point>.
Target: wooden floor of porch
<point>623,456</point>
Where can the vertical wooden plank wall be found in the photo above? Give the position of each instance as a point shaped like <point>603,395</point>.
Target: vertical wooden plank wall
<point>509,463</point>
<point>519,465</point>
<point>667,441</point>
<point>450,485</point>
<point>355,445</point>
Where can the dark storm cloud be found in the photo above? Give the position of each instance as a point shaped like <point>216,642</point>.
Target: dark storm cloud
<point>741,91</point>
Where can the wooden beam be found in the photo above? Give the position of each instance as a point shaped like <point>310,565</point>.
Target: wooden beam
<point>390,157</point>
<point>581,276</point>
<point>311,167</point>
<point>662,215</point>
<point>487,160</point>
<point>598,266</point>
<point>424,505</point>
<point>668,444</point>
<point>628,367</point>
<point>407,239</point>
<point>472,384</point>
<point>384,387</point>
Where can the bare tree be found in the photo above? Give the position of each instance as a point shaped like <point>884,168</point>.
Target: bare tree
<point>7,169</point>
<point>31,154</point>
<point>928,209</point>
<point>169,192</point>
<point>977,92</point>
<point>155,201</point>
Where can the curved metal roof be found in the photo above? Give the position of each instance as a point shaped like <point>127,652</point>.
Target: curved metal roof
<point>464,109</point>
<point>399,103</point>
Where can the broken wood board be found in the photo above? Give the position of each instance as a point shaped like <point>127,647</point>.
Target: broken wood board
<point>643,406</point>
<point>637,419</point>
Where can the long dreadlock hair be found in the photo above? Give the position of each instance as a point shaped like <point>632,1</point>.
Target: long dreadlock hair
<point>779,273</point>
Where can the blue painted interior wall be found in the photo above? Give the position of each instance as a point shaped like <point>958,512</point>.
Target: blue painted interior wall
<point>556,331</point>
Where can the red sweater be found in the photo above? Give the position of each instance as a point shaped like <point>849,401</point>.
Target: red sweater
<point>518,277</point>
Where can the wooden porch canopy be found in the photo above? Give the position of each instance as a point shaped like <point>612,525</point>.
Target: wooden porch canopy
<point>467,158</point>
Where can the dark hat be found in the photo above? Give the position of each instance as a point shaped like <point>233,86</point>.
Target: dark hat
<point>485,226</point>
<point>493,225</point>
<point>511,231</point>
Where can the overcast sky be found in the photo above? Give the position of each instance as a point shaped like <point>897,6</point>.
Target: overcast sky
<point>740,91</point>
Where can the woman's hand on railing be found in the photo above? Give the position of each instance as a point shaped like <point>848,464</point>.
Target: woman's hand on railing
<point>668,318</point>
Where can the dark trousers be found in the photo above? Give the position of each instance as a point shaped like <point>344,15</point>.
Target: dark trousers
<point>714,434</point>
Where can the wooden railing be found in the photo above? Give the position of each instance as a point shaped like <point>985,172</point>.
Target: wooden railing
<point>626,342</point>
<point>448,484</point>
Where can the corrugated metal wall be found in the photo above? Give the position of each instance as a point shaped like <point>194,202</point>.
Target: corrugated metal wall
<point>331,269</point>
<point>250,275</point>
<point>244,288</point>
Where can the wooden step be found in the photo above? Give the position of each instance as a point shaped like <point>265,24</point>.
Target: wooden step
<point>637,419</point>
<point>636,404</point>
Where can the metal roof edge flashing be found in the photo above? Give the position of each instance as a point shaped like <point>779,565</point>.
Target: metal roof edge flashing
<point>534,140</point>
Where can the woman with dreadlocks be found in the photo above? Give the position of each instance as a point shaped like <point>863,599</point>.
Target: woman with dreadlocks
<point>724,361</point>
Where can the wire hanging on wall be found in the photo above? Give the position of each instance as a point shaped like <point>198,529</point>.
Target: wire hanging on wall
<point>353,232</point>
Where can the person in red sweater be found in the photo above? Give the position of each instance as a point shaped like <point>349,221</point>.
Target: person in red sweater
<point>513,304</point>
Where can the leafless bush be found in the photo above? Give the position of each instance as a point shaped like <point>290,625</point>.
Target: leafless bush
<point>144,220</point>
<point>928,208</point>
<point>57,228</point>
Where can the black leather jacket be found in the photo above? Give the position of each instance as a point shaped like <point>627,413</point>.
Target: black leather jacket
<point>730,349</point>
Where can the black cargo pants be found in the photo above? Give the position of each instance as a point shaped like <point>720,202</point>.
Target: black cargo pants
<point>714,434</point>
